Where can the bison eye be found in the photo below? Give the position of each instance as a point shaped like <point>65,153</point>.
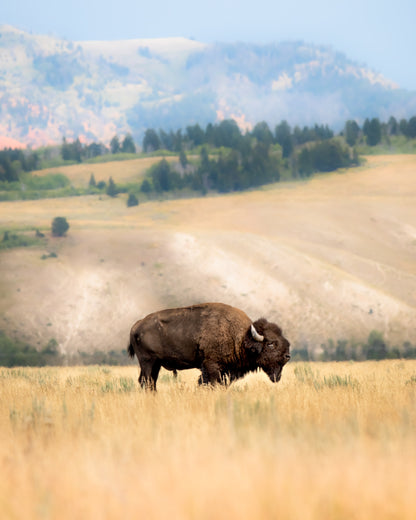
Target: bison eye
<point>271,345</point>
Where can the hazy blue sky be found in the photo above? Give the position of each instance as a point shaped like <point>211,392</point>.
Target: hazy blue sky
<point>378,33</point>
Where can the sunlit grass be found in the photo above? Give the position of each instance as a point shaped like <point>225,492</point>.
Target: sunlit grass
<point>329,441</point>
<point>80,174</point>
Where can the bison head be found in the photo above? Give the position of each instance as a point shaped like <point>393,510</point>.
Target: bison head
<point>269,348</point>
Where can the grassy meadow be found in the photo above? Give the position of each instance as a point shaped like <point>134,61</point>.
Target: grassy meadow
<point>331,257</point>
<point>122,171</point>
<point>333,441</point>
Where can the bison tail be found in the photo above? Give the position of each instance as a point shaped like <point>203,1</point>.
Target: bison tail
<point>134,340</point>
<point>130,350</point>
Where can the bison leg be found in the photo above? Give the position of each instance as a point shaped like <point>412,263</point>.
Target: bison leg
<point>145,380</point>
<point>149,374</point>
<point>211,374</point>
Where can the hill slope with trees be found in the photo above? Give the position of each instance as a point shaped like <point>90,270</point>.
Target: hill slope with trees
<point>330,260</point>
<point>196,160</point>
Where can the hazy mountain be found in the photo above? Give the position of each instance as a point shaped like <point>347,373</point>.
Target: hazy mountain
<point>51,88</point>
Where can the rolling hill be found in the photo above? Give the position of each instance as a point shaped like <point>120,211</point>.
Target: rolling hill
<point>329,258</point>
<point>52,88</point>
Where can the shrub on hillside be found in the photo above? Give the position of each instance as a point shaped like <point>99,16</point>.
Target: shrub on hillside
<point>51,181</point>
<point>12,240</point>
<point>59,226</point>
<point>132,200</point>
<point>112,190</point>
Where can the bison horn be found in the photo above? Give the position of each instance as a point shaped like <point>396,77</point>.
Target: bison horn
<point>256,335</point>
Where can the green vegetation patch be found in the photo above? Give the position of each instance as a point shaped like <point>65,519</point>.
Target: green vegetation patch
<point>11,240</point>
<point>306,375</point>
<point>16,353</point>
<point>33,187</point>
<point>50,181</point>
<point>374,348</point>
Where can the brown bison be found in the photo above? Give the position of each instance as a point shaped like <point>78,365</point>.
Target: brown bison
<point>218,339</point>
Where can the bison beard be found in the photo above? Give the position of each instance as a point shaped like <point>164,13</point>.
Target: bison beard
<point>218,339</point>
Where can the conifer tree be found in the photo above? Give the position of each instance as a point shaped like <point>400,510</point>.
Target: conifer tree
<point>183,159</point>
<point>115,144</point>
<point>132,200</point>
<point>111,188</point>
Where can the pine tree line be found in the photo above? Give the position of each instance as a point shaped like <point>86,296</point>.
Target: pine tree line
<point>226,134</point>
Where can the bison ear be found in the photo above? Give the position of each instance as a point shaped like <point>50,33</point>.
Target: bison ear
<point>256,348</point>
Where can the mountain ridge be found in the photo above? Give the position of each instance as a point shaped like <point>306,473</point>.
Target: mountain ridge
<point>52,88</point>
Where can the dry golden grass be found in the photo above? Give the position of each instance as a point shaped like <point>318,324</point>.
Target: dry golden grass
<point>332,441</point>
<point>120,171</point>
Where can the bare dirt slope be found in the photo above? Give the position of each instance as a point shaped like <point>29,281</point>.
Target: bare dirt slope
<point>334,257</point>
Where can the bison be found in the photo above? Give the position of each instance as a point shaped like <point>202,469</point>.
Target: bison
<point>218,339</point>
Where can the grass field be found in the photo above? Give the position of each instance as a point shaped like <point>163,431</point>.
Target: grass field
<point>330,441</point>
<point>333,257</point>
<point>120,171</point>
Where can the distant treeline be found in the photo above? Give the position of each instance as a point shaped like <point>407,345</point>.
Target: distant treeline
<point>227,134</point>
<point>16,353</point>
<point>375,348</point>
<point>229,170</point>
<point>13,162</point>
<point>226,158</point>
<point>230,160</point>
